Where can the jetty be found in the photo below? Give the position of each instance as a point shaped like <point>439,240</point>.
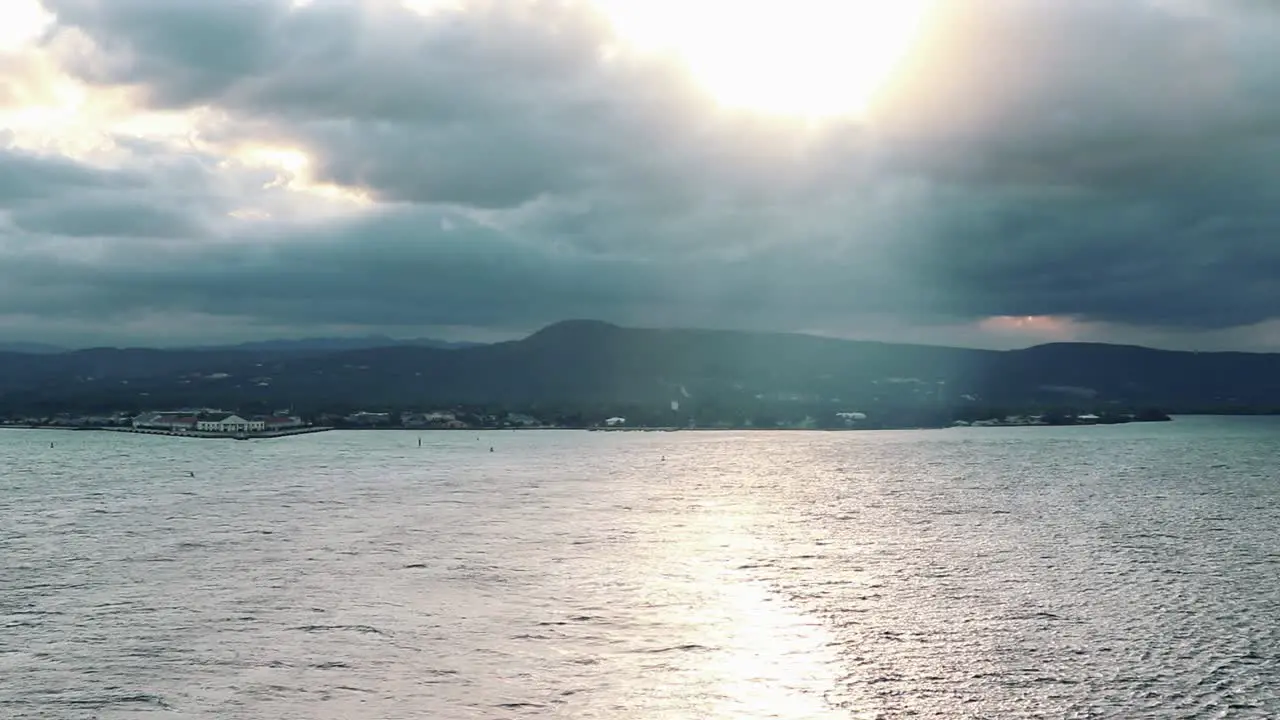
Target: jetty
<point>216,435</point>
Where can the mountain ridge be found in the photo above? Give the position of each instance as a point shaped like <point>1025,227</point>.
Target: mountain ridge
<point>31,348</point>
<point>310,344</point>
<point>591,364</point>
<point>559,328</point>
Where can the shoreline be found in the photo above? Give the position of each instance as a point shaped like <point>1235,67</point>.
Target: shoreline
<point>262,435</point>
<point>267,435</point>
<point>318,429</point>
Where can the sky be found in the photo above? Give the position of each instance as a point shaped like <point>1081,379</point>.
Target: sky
<point>991,173</point>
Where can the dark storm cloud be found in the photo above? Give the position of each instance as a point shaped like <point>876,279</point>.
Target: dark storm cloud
<point>493,106</point>
<point>26,176</point>
<point>156,194</point>
<point>1111,160</point>
<point>180,52</point>
<point>1135,262</point>
<point>110,218</point>
<point>1118,165</point>
<point>403,267</point>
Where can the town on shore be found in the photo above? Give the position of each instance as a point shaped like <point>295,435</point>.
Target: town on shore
<point>208,422</point>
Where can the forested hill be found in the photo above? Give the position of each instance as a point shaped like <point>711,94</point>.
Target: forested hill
<point>597,364</point>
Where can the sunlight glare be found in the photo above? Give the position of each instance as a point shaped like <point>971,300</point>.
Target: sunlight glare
<point>814,58</point>
<point>21,22</point>
<point>291,161</point>
<point>293,172</point>
<point>1042,326</point>
<point>432,7</point>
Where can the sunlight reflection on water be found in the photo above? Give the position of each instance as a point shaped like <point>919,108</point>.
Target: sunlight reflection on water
<point>1122,572</point>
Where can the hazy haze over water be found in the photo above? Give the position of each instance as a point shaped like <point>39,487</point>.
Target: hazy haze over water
<point>1119,572</point>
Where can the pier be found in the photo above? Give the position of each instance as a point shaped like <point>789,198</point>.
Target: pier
<point>259,435</point>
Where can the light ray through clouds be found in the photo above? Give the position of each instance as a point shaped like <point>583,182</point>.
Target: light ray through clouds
<point>979,172</point>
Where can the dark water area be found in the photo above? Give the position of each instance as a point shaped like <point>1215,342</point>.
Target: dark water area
<point>1093,572</point>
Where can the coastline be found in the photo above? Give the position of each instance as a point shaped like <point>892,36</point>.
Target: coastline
<point>263,435</point>
<point>267,435</point>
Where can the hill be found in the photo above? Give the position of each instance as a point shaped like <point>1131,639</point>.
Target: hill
<point>298,345</point>
<point>335,344</point>
<point>598,366</point>
<point>31,348</point>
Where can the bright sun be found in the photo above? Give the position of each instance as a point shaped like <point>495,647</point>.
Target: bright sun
<point>813,58</point>
<point>21,21</point>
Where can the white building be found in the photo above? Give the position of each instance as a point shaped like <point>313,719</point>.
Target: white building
<point>615,422</point>
<point>231,424</point>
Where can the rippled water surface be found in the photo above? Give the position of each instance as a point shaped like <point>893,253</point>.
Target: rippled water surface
<point>1122,572</point>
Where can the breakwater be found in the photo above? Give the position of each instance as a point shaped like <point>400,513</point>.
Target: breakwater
<point>262,435</point>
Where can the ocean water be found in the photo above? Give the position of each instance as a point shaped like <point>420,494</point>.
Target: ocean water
<point>1098,572</point>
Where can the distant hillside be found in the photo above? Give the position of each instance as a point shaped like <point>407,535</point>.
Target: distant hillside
<point>31,348</point>
<point>597,365</point>
<point>301,345</point>
<point>335,344</point>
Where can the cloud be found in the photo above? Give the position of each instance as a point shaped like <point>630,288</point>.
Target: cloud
<point>507,164</point>
<point>28,176</point>
<point>177,52</point>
